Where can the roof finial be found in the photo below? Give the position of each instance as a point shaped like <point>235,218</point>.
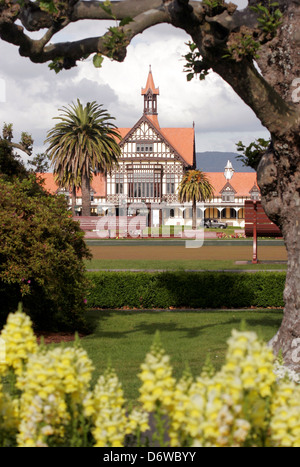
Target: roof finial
<point>150,71</point>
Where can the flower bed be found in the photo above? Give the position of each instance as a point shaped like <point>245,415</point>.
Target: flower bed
<point>230,236</point>
<point>50,401</point>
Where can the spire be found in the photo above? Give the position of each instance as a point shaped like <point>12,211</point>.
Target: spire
<point>150,87</point>
<point>229,171</point>
<point>150,93</point>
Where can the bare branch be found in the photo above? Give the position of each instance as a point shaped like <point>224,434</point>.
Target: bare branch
<point>23,148</point>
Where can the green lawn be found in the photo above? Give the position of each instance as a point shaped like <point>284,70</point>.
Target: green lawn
<point>124,338</point>
<point>179,265</point>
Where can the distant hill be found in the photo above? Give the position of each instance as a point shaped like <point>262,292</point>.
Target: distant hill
<point>216,161</point>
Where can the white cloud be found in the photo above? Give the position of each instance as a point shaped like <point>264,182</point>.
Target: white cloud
<point>34,93</point>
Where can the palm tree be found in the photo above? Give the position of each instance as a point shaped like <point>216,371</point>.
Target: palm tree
<point>84,142</point>
<point>195,187</point>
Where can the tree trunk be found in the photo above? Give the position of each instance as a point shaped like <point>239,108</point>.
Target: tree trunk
<point>86,195</point>
<point>279,181</point>
<point>73,200</point>
<point>194,215</point>
<point>287,339</point>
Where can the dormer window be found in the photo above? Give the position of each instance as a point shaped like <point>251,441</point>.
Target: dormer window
<point>228,194</point>
<point>228,197</point>
<point>255,193</point>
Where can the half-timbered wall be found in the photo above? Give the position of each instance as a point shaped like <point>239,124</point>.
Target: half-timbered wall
<point>149,169</point>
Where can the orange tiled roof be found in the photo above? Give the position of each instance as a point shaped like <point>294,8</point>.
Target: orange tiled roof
<point>242,182</point>
<point>154,120</point>
<point>98,184</point>
<point>182,139</point>
<point>48,182</point>
<point>123,132</point>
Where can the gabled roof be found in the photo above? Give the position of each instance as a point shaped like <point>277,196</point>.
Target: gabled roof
<point>228,187</point>
<point>181,140</point>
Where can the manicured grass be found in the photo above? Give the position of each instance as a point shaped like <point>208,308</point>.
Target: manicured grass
<point>123,338</point>
<point>179,265</point>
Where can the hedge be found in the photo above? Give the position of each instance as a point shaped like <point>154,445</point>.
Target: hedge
<point>110,290</point>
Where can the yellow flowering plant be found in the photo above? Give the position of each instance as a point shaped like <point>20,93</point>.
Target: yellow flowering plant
<point>53,404</point>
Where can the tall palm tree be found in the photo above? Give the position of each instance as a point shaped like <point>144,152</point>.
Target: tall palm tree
<point>195,187</point>
<point>84,142</point>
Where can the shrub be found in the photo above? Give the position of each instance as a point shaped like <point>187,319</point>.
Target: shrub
<point>185,289</point>
<point>41,256</point>
<point>52,402</point>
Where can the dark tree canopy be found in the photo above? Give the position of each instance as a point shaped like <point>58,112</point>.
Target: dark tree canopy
<point>255,50</point>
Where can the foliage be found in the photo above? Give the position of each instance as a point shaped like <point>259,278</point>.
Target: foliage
<point>247,42</point>
<point>52,404</point>
<point>11,164</point>
<point>183,289</point>
<point>116,38</point>
<point>252,154</point>
<point>242,44</point>
<point>41,256</point>
<point>269,17</point>
<point>7,131</point>
<point>83,142</point>
<point>195,186</point>
<point>195,64</point>
<point>26,141</point>
<point>39,163</point>
<point>214,7</point>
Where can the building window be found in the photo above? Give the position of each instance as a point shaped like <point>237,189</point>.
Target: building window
<point>172,213</point>
<point>170,184</point>
<point>228,197</point>
<point>144,184</point>
<point>144,147</point>
<point>119,184</point>
<point>255,196</point>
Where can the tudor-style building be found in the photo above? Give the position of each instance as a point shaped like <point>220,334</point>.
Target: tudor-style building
<point>153,159</point>
<point>152,162</point>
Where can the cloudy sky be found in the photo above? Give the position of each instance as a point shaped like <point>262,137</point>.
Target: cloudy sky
<point>31,95</point>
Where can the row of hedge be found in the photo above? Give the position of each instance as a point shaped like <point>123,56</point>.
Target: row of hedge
<point>110,290</point>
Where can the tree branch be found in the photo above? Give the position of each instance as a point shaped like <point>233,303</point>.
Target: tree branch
<point>23,148</point>
<point>212,27</point>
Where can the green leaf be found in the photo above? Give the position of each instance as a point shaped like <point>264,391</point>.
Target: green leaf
<point>98,60</point>
<point>126,21</point>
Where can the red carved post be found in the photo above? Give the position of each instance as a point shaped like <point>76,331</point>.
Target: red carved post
<point>254,259</point>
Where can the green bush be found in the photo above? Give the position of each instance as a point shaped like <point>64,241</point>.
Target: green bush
<point>41,256</point>
<point>185,289</point>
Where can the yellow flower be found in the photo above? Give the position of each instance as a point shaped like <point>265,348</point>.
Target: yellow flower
<point>20,341</point>
<point>110,422</point>
<point>156,376</point>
